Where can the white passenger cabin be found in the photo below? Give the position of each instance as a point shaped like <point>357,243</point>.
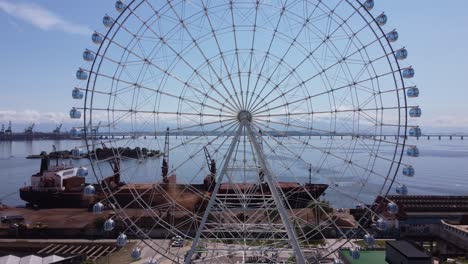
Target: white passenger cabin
<point>58,173</point>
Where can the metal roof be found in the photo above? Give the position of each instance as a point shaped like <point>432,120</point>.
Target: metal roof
<point>10,259</point>
<point>408,250</point>
<point>30,259</point>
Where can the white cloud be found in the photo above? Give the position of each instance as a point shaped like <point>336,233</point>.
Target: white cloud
<point>446,122</point>
<point>25,117</point>
<point>41,17</point>
<point>21,118</point>
<point>32,116</point>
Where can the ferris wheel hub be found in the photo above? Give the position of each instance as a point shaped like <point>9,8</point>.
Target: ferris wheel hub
<point>244,116</point>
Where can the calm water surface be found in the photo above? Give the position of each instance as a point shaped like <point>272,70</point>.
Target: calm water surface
<point>442,168</point>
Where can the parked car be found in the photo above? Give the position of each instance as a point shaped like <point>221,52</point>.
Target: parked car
<point>177,238</point>
<point>177,243</point>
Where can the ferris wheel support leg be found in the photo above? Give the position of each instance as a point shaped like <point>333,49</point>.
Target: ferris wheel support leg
<point>276,197</point>
<point>232,147</point>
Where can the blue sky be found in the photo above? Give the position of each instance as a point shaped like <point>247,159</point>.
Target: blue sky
<point>42,42</point>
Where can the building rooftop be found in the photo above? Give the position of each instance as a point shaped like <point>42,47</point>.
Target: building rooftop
<point>10,259</point>
<point>424,203</point>
<point>461,227</point>
<point>408,250</point>
<point>30,259</point>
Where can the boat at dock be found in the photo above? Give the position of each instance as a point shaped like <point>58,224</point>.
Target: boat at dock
<point>62,186</point>
<point>56,186</point>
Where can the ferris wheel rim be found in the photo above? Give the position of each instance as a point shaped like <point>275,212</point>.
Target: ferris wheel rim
<point>397,71</point>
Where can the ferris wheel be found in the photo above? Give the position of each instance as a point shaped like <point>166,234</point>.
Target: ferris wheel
<point>267,115</point>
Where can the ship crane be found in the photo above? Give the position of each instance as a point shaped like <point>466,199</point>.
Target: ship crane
<point>210,180</point>
<point>115,165</point>
<point>165,162</point>
<point>210,162</point>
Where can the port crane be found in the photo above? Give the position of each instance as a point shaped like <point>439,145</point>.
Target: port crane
<point>29,131</point>
<point>30,128</point>
<point>2,132</point>
<point>9,131</point>
<point>95,130</point>
<point>57,130</point>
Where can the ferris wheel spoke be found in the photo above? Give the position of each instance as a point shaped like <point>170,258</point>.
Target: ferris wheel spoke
<point>215,36</point>
<point>158,91</point>
<point>374,98</point>
<point>143,201</point>
<point>196,72</point>
<point>156,217</point>
<point>157,213</point>
<point>252,45</point>
<point>229,127</point>
<point>314,200</point>
<point>270,45</point>
<point>256,106</point>
<point>258,113</point>
<point>289,125</point>
<point>374,153</point>
<point>169,74</point>
<point>276,196</point>
<point>195,42</point>
<point>291,45</point>
<point>231,3</point>
<point>133,227</point>
<point>200,125</point>
<point>318,204</point>
<point>233,218</point>
<point>217,150</point>
<point>373,120</point>
<point>219,177</point>
<point>295,154</point>
<point>327,152</point>
<point>131,111</point>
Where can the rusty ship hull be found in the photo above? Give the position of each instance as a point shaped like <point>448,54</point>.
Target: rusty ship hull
<point>189,196</point>
<point>54,199</point>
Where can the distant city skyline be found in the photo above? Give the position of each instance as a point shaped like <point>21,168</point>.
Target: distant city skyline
<point>43,41</point>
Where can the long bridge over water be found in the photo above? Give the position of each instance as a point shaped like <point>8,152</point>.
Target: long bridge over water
<point>106,135</point>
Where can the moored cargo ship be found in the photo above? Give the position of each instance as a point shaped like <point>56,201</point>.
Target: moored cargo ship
<point>62,186</point>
